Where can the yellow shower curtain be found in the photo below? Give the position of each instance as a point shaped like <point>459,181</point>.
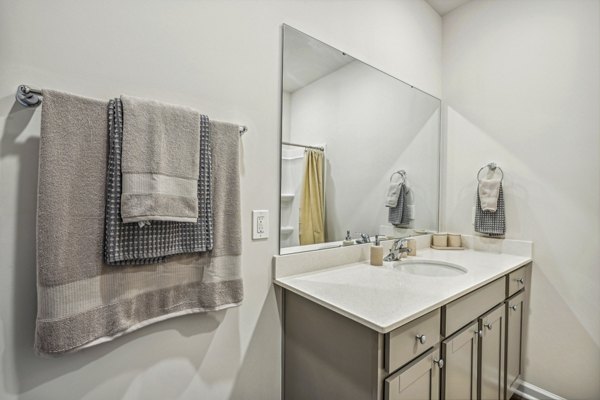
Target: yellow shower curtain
<point>312,203</point>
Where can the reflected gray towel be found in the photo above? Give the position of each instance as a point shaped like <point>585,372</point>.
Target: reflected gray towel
<point>82,301</point>
<point>399,215</point>
<point>160,161</point>
<point>491,223</point>
<point>130,244</point>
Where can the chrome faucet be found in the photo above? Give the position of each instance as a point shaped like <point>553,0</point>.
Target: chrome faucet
<point>398,247</point>
<point>364,238</point>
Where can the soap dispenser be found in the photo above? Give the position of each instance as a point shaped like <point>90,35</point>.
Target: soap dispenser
<point>348,241</point>
<point>377,253</point>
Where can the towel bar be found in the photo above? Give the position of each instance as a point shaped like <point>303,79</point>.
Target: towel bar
<point>31,97</point>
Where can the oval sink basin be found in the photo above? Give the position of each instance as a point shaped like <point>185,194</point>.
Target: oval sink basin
<point>429,268</point>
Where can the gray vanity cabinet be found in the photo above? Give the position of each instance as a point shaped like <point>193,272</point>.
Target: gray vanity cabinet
<point>491,365</point>
<point>475,355</point>
<point>474,359</point>
<point>328,356</point>
<point>459,375</point>
<point>514,332</point>
<point>470,348</point>
<point>419,380</point>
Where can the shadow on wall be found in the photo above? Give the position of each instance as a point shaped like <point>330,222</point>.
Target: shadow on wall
<point>25,371</point>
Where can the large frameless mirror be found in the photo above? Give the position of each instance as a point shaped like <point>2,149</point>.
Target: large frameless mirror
<point>360,150</point>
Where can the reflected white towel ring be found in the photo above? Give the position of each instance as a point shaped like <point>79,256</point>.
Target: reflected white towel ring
<point>400,172</point>
<point>492,166</point>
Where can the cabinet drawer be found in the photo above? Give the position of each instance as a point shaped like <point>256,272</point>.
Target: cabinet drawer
<point>405,343</point>
<point>467,308</point>
<point>418,380</point>
<point>516,281</point>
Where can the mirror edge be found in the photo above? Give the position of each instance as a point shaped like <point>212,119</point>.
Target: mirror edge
<point>441,142</point>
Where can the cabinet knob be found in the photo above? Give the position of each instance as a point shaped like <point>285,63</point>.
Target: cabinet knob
<point>421,339</point>
<point>439,362</point>
<point>479,332</point>
<point>521,281</point>
<point>514,307</point>
<point>488,325</point>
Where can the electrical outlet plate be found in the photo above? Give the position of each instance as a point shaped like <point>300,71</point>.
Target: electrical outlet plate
<point>260,224</point>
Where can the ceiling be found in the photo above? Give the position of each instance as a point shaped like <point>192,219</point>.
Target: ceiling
<point>443,7</point>
<point>306,59</point>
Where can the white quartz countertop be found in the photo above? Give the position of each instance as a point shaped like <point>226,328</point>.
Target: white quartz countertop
<point>384,299</point>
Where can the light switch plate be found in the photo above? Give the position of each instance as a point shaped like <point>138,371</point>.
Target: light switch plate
<point>260,224</point>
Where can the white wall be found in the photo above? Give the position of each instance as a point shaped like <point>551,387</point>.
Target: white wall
<point>372,125</point>
<point>221,57</point>
<point>522,88</point>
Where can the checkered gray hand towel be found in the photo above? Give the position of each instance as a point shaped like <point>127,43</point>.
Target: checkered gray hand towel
<point>489,222</point>
<point>130,244</point>
<point>399,215</point>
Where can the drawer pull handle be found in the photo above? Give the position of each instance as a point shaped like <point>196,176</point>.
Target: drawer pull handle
<point>489,326</point>
<point>479,332</point>
<point>514,307</point>
<point>521,281</point>
<point>421,339</point>
<point>439,362</point>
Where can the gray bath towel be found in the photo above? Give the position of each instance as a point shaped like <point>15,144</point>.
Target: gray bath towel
<point>491,223</point>
<point>130,244</point>
<point>83,302</point>
<point>161,153</point>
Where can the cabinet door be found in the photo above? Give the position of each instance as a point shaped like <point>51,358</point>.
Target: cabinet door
<point>459,375</point>
<point>514,332</point>
<point>419,380</point>
<point>491,370</point>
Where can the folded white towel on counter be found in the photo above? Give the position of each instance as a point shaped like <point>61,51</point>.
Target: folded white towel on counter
<point>489,190</point>
<point>393,192</point>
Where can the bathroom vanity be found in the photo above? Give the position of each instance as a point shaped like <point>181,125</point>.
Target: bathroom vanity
<point>443,325</point>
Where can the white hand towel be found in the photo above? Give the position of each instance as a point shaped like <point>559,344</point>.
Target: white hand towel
<point>489,189</point>
<point>394,190</point>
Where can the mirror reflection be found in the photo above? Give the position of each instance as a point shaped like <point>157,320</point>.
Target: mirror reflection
<point>360,150</point>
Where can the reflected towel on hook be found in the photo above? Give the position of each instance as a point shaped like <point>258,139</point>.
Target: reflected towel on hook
<point>399,215</point>
<point>410,205</point>
<point>396,181</point>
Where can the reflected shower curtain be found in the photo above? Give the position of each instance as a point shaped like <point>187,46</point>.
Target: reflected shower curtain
<point>312,202</point>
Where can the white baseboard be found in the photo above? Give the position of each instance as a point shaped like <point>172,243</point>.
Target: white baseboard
<point>531,392</point>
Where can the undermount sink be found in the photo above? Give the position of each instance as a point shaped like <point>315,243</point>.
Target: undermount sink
<point>429,268</point>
